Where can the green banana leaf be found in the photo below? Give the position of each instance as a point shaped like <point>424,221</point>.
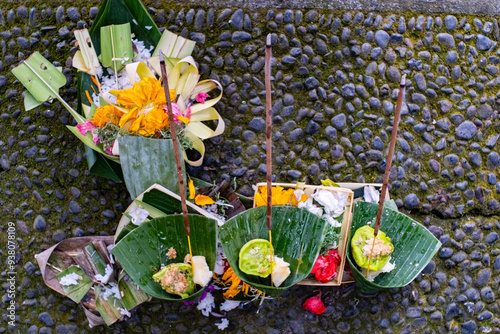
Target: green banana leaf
<point>297,236</point>
<point>146,161</point>
<point>126,11</point>
<point>132,294</point>
<point>414,247</point>
<point>76,292</point>
<point>142,252</point>
<point>109,309</point>
<point>114,12</point>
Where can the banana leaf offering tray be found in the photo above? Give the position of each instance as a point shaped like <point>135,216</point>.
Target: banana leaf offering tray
<point>84,270</point>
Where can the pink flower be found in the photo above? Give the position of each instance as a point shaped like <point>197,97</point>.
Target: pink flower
<point>95,138</point>
<point>179,117</point>
<point>201,97</point>
<point>85,127</point>
<point>109,151</point>
<point>314,304</point>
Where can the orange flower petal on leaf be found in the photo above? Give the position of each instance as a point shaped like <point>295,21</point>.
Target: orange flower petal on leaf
<point>192,190</point>
<point>202,200</point>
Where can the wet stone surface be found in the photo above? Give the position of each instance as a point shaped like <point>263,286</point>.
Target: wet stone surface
<point>335,78</point>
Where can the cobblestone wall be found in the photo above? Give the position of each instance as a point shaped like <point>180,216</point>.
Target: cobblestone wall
<point>335,80</point>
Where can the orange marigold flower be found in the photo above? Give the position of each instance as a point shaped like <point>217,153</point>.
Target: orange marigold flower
<point>105,114</point>
<point>280,196</point>
<point>144,101</point>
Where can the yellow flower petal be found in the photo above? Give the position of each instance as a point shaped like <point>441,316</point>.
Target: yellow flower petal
<point>202,200</point>
<point>183,119</point>
<point>192,191</point>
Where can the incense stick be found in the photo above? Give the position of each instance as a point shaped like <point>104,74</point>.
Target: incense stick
<point>388,165</point>
<point>175,142</point>
<point>269,161</point>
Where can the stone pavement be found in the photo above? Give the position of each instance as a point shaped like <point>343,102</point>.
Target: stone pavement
<point>335,79</point>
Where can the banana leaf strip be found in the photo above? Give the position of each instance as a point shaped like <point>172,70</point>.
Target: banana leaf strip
<point>110,308</point>
<point>414,247</point>
<point>158,201</point>
<point>43,81</point>
<point>142,252</point>
<point>297,236</point>
<point>132,294</point>
<point>116,46</point>
<point>85,59</point>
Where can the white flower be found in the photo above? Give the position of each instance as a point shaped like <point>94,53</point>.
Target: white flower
<point>385,269</point>
<point>308,204</point>
<point>206,305</point>
<point>138,215</point>
<point>223,324</point>
<point>333,222</point>
<point>333,202</point>
<point>298,194</point>
<point>229,305</point>
<point>372,195</point>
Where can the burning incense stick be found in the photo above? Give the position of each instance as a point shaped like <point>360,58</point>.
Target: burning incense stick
<point>388,165</point>
<point>269,161</point>
<point>182,188</point>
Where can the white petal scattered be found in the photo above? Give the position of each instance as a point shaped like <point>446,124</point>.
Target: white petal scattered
<point>372,195</point>
<point>223,324</point>
<point>298,194</point>
<point>107,274</point>
<point>148,27</point>
<point>333,202</point>
<point>332,221</point>
<point>385,269</point>
<point>139,215</point>
<point>229,305</point>
<point>70,279</point>
<point>308,204</point>
<point>123,311</point>
<point>110,290</point>
<point>206,305</point>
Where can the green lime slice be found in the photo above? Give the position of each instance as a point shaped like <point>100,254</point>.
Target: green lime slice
<point>254,258</point>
